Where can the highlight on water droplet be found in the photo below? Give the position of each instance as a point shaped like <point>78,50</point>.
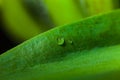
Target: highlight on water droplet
<point>61,41</point>
<point>70,41</point>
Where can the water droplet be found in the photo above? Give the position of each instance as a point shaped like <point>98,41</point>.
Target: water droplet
<point>61,41</point>
<point>70,41</point>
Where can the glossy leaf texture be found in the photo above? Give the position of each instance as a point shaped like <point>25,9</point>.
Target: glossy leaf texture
<point>87,49</point>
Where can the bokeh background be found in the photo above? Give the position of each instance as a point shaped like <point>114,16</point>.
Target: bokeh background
<point>21,20</point>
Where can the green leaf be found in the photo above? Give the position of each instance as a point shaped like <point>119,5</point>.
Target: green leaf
<point>18,21</point>
<point>88,49</point>
<point>99,6</point>
<point>0,3</point>
<point>63,11</point>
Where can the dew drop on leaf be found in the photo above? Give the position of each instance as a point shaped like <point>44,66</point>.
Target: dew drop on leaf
<point>61,41</point>
<point>70,41</point>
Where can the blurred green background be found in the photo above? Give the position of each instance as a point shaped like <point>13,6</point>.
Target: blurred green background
<point>21,20</point>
